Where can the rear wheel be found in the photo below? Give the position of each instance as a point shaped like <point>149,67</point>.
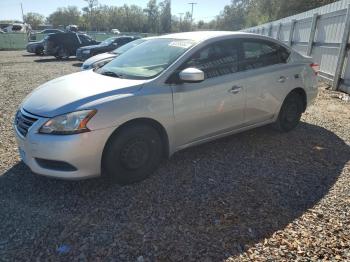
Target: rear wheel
<point>62,53</point>
<point>290,113</point>
<point>132,154</point>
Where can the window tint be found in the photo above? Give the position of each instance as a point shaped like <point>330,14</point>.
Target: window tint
<point>85,39</point>
<point>217,59</point>
<point>262,53</point>
<point>124,40</point>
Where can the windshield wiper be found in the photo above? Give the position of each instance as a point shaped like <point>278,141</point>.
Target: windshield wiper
<point>110,73</point>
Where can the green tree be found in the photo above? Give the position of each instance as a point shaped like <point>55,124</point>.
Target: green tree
<point>233,17</point>
<point>65,16</point>
<point>152,12</point>
<point>34,19</point>
<point>292,7</point>
<point>165,16</point>
<point>90,14</point>
<point>186,23</point>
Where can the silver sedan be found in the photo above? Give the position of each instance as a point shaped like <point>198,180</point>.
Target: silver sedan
<point>164,95</point>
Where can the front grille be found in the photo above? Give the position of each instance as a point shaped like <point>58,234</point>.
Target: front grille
<point>23,122</point>
<point>78,54</point>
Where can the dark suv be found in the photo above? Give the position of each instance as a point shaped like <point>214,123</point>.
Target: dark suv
<point>64,45</point>
<point>107,45</point>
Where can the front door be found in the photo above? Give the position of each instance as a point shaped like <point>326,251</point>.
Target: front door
<point>215,105</point>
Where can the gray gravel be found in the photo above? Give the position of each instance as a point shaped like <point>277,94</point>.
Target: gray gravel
<point>259,195</point>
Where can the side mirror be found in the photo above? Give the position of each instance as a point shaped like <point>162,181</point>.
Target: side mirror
<point>192,75</point>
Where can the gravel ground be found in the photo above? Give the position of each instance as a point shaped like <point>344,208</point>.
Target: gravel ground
<point>259,195</point>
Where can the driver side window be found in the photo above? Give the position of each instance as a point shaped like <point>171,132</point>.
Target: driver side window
<point>217,59</point>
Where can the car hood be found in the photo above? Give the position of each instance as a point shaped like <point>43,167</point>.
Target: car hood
<point>99,57</point>
<point>93,47</point>
<point>41,42</point>
<point>77,91</point>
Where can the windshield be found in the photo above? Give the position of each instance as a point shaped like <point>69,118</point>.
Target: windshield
<point>127,46</point>
<point>108,41</point>
<point>146,60</point>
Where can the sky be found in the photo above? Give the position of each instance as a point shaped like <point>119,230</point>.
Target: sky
<point>203,10</point>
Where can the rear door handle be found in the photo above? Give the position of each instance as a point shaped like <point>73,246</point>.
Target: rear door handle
<point>282,79</point>
<point>235,89</point>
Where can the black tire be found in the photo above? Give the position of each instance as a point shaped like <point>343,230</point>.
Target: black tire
<point>290,113</point>
<point>39,51</point>
<point>132,154</point>
<point>62,53</point>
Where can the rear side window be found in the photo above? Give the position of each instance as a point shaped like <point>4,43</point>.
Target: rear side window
<point>217,59</point>
<point>119,41</point>
<point>85,39</point>
<point>257,53</point>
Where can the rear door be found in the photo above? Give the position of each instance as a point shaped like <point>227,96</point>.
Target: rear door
<point>211,107</point>
<point>268,78</point>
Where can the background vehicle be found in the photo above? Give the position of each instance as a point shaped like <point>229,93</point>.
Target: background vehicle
<point>102,59</point>
<point>33,37</point>
<point>107,45</point>
<point>72,28</point>
<point>64,45</point>
<point>36,47</point>
<point>164,95</point>
<point>115,31</point>
<point>50,31</point>
<point>17,28</point>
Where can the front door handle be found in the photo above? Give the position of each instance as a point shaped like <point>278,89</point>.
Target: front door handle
<point>235,89</point>
<point>282,79</point>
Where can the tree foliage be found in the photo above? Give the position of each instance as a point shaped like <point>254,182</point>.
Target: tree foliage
<point>165,16</point>
<point>244,13</point>
<point>65,16</point>
<point>34,19</point>
<point>157,18</point>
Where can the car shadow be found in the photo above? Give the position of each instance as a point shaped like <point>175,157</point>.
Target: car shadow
<point>30,54</point>
<point>53,59</point>
<point>77,64</point>
<point>211,201</point>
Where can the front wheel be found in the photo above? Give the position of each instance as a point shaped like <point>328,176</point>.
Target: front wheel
<point>132,154</point>
<point>290,113</point>
<point>39,51</point>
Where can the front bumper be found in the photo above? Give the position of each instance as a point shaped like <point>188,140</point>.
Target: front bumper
<point>30,48</point>
<point>82,151</point>
<point>82,56</point>
<point>86,66</point>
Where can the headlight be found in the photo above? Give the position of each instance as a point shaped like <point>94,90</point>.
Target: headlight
<point>67,124</point>
<point>86,51</point>
<point>99,64</point>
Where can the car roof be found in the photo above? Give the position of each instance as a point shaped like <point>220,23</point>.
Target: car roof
<point>199,36</point>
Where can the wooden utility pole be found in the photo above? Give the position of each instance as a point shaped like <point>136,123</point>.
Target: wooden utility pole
<point>192,4</point>
<point>22,13</point>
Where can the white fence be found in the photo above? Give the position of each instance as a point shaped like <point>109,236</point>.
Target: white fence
<point>322,33</point>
